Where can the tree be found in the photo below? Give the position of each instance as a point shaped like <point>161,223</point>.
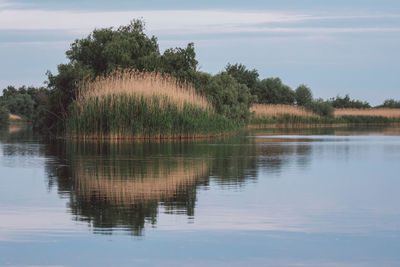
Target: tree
<point>244,76</point>
<point>230,98</point>
<point>322,108</point>
<point>18,101</point>
<point>179,62</point>
<point>105,50</point>
<point>273,91</point>
<point>390,103</point>
<point>4,115</point>
<point>303,95</point>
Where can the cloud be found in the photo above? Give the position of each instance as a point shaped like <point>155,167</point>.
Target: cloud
<point>179,22</point>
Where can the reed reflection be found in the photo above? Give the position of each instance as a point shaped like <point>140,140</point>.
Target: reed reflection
<point>124,186</point>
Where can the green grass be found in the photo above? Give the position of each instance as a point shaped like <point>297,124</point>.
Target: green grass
<point>130,116</point>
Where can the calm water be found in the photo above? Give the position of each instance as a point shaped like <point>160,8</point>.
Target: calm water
<point>327,197</point>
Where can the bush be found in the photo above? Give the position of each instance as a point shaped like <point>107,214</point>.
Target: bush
<point>244,76</point>
<point>230,98</point>
<point>303,95</point>
<point>273,91</point>
<point>346,102</point>
<point>4,115</point>
<point>322,108</point>
<point>390,103</point>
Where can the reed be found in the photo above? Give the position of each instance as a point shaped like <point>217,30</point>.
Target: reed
<point>147,84</point>
<point>283,114</point>
<point>263,110</point>
<point>371,112</point>
<point>14,117</point>
<point>131,105</point>
<point>295,115</point>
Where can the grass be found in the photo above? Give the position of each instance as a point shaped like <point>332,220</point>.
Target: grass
<point>294,115</point>
<point>131,105</point>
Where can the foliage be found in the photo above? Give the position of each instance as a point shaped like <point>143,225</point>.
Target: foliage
<point>390,103</point>
<point>303,95</point>
<point>4,115</point>
<point>229,98</point>
<point>273,91</point>
<point>178,62</point>
<point>18,101</point>
<point>346,102</point>
<point>321,107</point>
<point>244,76</point>
<point>105,50</point>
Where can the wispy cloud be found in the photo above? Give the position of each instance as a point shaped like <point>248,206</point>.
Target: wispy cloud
<point>180,21</point>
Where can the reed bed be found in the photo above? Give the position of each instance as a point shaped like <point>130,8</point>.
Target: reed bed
<point>264,114</point>
<point>373,112</point>
<point>15,117</point>
<point>146,84</point>
<point>132,105</point>
<point>269,110</point>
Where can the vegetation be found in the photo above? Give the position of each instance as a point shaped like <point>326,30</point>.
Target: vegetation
<point>289,114</point>
<point>4,115</point>
<point>374,112</point>
<point>303,96</point>
<point>226,98</point>
<point>346,102</point>
<point>390,103</point>
<point>133,104</point>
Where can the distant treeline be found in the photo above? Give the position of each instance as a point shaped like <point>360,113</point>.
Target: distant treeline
<point>231,92</point>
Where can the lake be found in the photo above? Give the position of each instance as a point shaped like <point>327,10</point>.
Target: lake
<point>279,197</point>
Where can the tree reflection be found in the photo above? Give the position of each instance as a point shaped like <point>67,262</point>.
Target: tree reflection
<point>124,186</point>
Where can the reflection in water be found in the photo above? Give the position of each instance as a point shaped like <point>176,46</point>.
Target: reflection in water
<point>335,201</point>
<point>122,186</point>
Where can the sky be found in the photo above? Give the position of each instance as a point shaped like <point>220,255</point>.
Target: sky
<point>336,47</point>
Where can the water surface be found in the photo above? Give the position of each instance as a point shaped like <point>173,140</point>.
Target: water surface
<point>315,197</point>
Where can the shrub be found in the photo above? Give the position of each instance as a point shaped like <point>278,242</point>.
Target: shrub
<point>4,115</point>
<point>322,108</point>
<point>273,91</point>
<point>303,95</point>
<point>230,98</point>
<point>390,103</point>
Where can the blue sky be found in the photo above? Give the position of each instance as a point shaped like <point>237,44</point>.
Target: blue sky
<point>335,47</point>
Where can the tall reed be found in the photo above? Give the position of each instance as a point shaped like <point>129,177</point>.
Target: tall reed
<point>264,110</point>
<point>131,104</point>
<point>371,112</point>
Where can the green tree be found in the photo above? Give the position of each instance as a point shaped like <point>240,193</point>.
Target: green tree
<point>322,108</point>
<point>273,91</point>
<point>4,115</point>
<point>303,95</point>
<point>230,98</point>
<point>18,101</point>
<point>390,103</point>
<point>346,102</point>
<point>105,50</point>
<point>244,76</point>
<point>179,62</point>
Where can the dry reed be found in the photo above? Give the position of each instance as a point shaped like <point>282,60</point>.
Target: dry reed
<point>270,110</point>
<point>15,117</point>
<point>373,112</point>
<point>136,83</point>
